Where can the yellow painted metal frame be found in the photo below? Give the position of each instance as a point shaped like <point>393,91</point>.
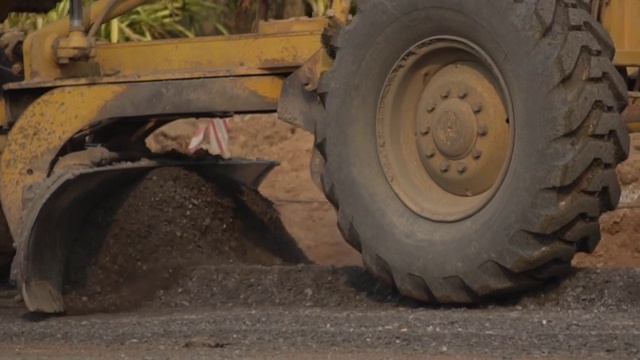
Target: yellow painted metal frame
<point>252,54</point>
<point>619,18</point>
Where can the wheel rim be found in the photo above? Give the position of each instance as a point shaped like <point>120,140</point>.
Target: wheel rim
<point>445,129</point>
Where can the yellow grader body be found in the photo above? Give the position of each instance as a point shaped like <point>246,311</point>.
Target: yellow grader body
<point>79,97</point>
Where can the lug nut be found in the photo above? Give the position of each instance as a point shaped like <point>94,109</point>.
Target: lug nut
<point>425,129</point>
<point>462,93</point>
<point>425,77</point>
<point>445,93</point>
<point>430,107</point>
<point>483,129</point>
<point>430,152</point>
<point>476,154</point>
<point>444,166</point>
<point>476,107</point>
<point>462,167</point>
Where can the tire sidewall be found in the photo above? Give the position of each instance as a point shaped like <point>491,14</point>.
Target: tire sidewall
<point>389,227</point>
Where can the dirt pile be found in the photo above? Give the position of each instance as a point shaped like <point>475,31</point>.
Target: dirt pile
<point>141,241</point>
<point>620,243</point>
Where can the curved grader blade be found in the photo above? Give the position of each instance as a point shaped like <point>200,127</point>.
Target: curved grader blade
<point>53,212</point>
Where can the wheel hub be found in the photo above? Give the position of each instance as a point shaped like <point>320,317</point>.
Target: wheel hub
<point>444,134</point>
<point>456,143</point>
<point>455,129</point>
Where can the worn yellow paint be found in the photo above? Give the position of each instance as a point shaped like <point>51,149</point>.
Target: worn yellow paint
<point>184,58</point>
<point>292,25</point>
<point>283,45</point>
<point>144,78</point>
<point>619,18</point>
<point>37,137</point>
<point>48,123</point>
<point>170,57</point>
<point>268,87</point>
<point>629,58</point>
<point>38,48</point>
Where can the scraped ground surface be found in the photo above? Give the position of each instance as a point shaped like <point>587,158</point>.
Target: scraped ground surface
<point>188,271</point>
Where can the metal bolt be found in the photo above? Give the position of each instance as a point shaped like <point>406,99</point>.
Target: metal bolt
<point>462,167</point>
<point>476,107</point>
<point>476,154</point>
<point>425,129</point>
<point>462,93</point>
<point>425,77</point>
<point>445,93</point>
<point>430,152</point>
<point>483,129</point>
<point>430,107</point>
<point>444,166</point>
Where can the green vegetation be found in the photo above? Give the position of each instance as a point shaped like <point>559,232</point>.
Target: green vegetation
<point>155,20</point>
<point>160,19</point>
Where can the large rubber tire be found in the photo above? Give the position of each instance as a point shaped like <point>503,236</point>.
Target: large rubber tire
<point>556,61</point>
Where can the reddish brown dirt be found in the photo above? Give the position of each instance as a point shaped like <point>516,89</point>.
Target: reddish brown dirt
<point>620,243</point>
<point>138,242</point>
<point>312,221</point>
<point>305,212</point>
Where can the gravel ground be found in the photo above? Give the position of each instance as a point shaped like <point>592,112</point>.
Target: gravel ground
<point>234,297</point>
<point>326,312</point>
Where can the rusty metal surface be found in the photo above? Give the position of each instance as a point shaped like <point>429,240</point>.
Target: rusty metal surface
<point>55,117</point>
<point>443,133</point>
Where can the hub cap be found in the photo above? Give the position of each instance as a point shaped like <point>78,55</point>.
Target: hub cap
<point>444,129</point>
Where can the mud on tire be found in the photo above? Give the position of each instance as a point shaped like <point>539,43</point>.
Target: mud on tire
<point>566,97</point>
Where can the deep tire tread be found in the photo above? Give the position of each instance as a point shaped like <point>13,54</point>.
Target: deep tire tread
<point>584,185</point>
